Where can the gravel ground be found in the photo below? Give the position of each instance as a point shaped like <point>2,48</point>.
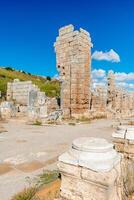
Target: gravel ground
<point>28,149</point>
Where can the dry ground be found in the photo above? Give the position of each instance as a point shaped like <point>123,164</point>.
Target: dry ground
<point>25,150</point>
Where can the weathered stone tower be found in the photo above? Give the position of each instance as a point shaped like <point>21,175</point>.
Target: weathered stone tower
<point>111,89</point>
<point>73,58</point>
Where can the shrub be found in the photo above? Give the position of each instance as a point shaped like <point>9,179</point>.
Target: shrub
<point>9,68</point>
<point>42,180</point>
<point>27,194</point>
<point>48,78</point>
<point>48,177</point>
<point>37,123</point>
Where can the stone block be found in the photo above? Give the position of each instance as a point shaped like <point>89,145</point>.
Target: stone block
<point>90,169</point>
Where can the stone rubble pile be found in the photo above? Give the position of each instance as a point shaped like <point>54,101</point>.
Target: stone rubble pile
<point>7,110</point>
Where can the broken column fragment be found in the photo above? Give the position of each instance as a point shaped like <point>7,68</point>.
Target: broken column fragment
<point>90,169</point>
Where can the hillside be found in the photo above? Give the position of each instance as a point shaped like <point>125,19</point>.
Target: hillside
<point>50,87</point>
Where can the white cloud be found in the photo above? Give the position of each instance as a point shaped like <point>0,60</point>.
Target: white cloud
<point>123,80</point>
<point>98,77</point>
<point>121,76</point>
<point>100,73</point>
<point>111,56</point>
<point>131,85</point>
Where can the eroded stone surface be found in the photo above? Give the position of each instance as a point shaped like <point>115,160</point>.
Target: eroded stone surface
<point>124,143</point>
<point>91,169</point>
<point>93,153</point>
<point>73,59</point>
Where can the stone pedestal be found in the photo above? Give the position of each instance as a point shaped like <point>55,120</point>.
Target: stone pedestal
<point>123,139</point>
<point>37,110</point>
<point>90,170</point>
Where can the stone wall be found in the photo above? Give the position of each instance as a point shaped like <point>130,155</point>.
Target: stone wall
<point>123,139</point>
<point>18,91</point>
<point>73,59</point>
<point>120,103</point>
<point>98,100</point>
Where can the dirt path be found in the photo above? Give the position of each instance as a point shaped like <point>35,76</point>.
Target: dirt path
<point>26,150</point>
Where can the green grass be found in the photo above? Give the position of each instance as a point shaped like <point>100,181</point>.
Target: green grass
<point>72,123</point>
<point>43,179</point>
<point>27,194</point>
<point>47,177</point>
<point>50,87</point>
<point>37,123</point>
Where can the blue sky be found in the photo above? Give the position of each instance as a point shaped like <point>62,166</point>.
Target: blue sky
<point>28,29</point>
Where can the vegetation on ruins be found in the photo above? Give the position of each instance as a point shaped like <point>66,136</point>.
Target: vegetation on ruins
<point>50,86</point>
<point>42,182</point>
<point>37,123</point>
<point>27,194</point>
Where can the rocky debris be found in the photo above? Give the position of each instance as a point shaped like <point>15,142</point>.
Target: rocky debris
<point>54,116</point>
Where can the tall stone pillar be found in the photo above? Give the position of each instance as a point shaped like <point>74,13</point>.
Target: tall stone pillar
<point>73,58</point>
<point>111,91</point>
<point>90,170</point>
<point>123,139</point>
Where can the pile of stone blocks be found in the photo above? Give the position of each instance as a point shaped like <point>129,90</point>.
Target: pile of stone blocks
<point>73,59</point>
<point>7,110</point>
<point>90,170</point>
<point>18,91</point>
<point>28,99</point>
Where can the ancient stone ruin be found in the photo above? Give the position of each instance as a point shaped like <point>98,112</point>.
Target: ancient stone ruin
<point>78,97</point>
<point>37,106</point>
<point>24,99</point>
<point>123,139</point>
<point>120,103</point>
<point>19,91</point>
<point>90,170</point>
<point>73,58</point>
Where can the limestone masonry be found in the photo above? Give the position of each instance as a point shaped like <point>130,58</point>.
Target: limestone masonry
<point>78,97</point>
<point>90,170</point>
<point>73,58</point>
<point>19,91</point>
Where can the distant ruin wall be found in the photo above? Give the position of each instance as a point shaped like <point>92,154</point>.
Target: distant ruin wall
<point>19,91</point>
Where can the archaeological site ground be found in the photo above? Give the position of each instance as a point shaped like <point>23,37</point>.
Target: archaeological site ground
<point>68,137</point>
